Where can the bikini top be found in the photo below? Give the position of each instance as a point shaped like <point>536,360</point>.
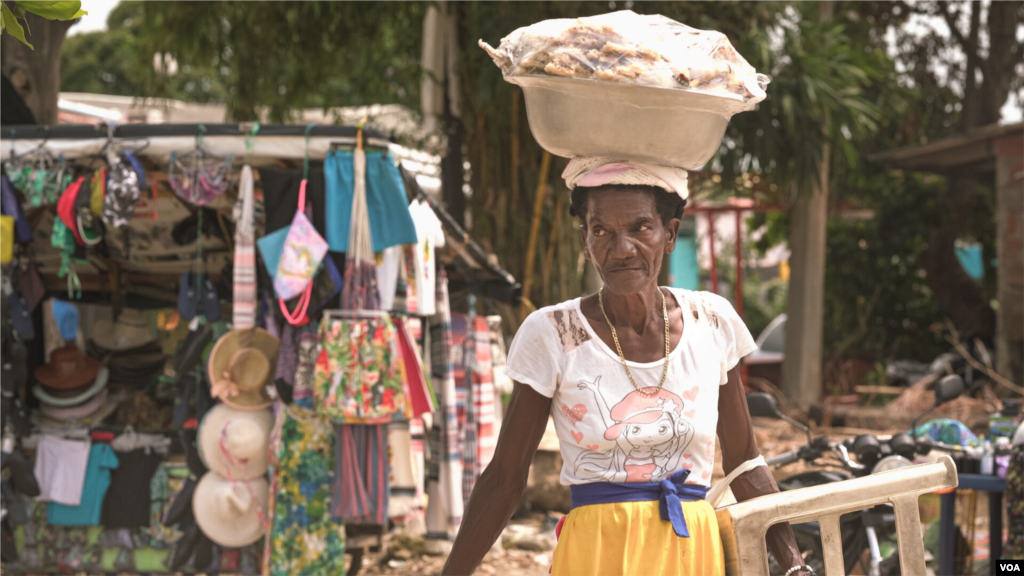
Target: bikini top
<point>198,185</point>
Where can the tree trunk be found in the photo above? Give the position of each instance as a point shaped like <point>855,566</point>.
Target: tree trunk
<point>35,74</point>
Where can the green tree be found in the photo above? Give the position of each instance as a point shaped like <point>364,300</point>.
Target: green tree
<point>283,56</point>
<point>108,62</point>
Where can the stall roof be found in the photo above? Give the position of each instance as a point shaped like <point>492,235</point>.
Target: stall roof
<point>970,153</point>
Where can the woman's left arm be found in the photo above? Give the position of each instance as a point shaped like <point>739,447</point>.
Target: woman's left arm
<point>737,437</point>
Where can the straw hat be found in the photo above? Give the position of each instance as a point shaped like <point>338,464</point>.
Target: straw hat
<point>72,396</point>
<point>241,365</point>
<point>68,369</point>
<point>133,329</point>
<point>230,513</point>
<point>233,443</point>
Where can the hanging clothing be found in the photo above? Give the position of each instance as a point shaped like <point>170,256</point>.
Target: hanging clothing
<point>1014,496</point>
<point>244,270</point>
<point>423,278</point>
<point>386,201</point>
<point>480,423</point>
<point>361,490</point>
<point>405,499</point>
<point>130,485</point>
<point>97,479</point>
<point>415,379</point>
<point>281,196</point>
<point>444,471</point>
<point>305,370</point>
<point>60,469</point>
<point>388,264</point>
<point>359,372</point>
<point>360,292</point>
<point>304,539</point>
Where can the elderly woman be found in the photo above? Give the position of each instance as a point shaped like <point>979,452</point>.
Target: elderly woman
<point>639,379</point>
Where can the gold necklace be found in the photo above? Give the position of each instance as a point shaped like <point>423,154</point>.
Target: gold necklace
<point>618,348</point>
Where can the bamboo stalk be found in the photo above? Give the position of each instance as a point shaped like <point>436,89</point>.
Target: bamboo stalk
<point>538,207</point>
<point>549,258</point>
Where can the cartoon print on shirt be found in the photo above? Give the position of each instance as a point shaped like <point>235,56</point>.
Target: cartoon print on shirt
<point>650,435</point>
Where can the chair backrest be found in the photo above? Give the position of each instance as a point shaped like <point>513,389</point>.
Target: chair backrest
<point>744,525</point>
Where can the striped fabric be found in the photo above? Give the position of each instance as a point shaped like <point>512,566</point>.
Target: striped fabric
<point>483,396</point>
<point>361,474</point>
<point>444,474</point>
<point>244,302</point>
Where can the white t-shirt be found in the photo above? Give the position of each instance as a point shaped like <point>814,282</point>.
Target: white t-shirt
<point>60,469</point>
<point>423,282</point>
<point>388,262</point>
<point>609,431</point>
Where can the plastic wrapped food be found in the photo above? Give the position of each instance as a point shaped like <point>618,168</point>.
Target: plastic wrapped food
<point>630,48</point>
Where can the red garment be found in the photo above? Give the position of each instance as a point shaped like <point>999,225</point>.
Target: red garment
<point>66,208</point>
<point>415,382</point>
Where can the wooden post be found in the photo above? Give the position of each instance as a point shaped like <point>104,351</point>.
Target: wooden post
<point>739,262</point>
<point>805,306</point>
<point>538,208</point>
<point>1010,254</point>
<point>711,249</point>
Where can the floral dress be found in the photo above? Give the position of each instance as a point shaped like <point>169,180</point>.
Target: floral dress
<point>304,538</point>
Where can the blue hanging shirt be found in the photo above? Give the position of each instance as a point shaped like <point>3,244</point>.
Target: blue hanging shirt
<point>386,201</point>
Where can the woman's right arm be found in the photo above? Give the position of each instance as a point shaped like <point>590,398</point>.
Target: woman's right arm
<point>501,485</point>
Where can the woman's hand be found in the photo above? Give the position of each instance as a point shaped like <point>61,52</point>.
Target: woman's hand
<point>497,492</point>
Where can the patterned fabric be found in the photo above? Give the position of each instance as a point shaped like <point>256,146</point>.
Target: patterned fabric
<point>444,475</point>
<point>1014,494</point>
<point>305,370</point>
<point>122,194</point>
<point>483,397</point>
<point>358,375</point>
<point>304,538</point>
<point>361,486</point>
<point>244,306</point>
<point>360,292</point>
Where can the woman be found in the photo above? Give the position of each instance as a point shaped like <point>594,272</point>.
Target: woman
<point>638,379</point>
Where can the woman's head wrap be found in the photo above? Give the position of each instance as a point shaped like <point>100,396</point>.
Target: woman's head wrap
<point>592,171</point>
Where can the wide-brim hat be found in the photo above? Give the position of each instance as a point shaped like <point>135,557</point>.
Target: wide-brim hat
<point>68,368</point>
<point>234,443</point>
<point>229,513</point>
<point>84,410</point>
<point>241,365</point>
<point>133,329</point>
<point>60,398</point>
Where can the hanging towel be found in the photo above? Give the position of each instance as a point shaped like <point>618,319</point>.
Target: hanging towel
<point>360,292</point>
<point>444,471</point>
<point>244,306</point>
<point>387,203</point>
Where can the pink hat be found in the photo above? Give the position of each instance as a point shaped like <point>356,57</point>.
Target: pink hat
<point>640,408</point>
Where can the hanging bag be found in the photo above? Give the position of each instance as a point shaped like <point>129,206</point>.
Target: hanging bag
<point>304,250</point>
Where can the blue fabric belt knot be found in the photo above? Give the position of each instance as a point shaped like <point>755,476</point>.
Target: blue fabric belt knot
<point>670,492</point>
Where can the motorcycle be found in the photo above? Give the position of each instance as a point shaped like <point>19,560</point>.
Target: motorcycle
<point>869,530</point>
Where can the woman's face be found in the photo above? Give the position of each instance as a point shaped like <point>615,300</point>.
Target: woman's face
<point>624,237</point>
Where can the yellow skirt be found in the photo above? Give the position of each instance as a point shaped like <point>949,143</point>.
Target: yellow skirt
<point>630,538</point>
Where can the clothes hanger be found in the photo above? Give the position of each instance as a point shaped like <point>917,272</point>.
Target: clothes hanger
<point>364,314</point>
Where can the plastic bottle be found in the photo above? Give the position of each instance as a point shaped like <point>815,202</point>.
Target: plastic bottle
<point>987,459</point>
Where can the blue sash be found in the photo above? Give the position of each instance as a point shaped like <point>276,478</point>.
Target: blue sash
<point>670,492</point>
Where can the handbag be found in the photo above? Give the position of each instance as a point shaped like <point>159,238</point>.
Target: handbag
<point>6,239</point>
<point>298,262</point>
<point>304,250</point>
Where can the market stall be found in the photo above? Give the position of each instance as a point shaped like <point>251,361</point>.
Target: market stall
<point>236,348</point>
